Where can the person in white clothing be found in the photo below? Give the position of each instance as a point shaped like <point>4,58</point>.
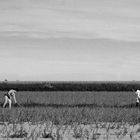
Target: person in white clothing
<point>8,98</point>
<point>138,97</point>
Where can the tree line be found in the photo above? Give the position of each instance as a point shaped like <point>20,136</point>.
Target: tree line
<point>70,86</point>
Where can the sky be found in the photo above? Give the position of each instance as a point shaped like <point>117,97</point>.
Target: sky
<point>69,40</point>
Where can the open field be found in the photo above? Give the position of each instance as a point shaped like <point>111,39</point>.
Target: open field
<point>73,109</point>
<point>70,107</point>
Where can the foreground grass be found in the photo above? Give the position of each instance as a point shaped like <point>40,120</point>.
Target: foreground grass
<point>73,107</point>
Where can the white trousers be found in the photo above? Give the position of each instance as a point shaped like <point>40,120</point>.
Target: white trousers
<point>7,100</point>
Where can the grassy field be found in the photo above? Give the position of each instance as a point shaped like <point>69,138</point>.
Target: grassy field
<point>72,107</point>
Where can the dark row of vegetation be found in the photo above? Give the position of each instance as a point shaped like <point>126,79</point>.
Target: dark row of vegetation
<point>70,86</point>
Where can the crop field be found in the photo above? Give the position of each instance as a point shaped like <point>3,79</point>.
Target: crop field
<point>69,107</point>
<point>72,109</point>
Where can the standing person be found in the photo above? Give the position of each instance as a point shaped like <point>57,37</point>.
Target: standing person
<point>138,97</point>
<point>8,98</point>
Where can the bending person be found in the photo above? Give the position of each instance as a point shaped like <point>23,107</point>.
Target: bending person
<point>138,97</point>
<point>8,98</point>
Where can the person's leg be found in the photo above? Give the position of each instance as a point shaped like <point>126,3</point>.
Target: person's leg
<point>137,102</point>
<point>5,101</point>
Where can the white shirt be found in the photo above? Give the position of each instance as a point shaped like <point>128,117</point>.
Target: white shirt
<point>11,93</point>
<point>138,95</point>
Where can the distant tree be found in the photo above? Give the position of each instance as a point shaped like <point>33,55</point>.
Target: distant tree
<point>5,80</point>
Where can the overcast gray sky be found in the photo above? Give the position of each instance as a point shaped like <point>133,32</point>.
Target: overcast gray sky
<point>70,40</point>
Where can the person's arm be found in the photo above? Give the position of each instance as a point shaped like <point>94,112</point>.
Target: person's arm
<point>14,97</point>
